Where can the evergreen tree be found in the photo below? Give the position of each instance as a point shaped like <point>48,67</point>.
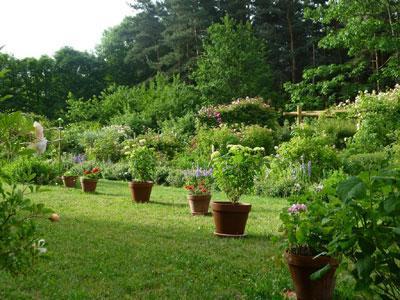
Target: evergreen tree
<point>186,23</point>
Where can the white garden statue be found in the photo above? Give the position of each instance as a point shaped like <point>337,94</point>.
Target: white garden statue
<point>40,142</point>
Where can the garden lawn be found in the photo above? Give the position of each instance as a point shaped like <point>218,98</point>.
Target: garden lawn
<point>106,247</point>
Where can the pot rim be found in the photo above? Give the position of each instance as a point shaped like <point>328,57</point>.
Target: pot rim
<point>87,179</point>
<point>230,203</point>
<point>301,260</point>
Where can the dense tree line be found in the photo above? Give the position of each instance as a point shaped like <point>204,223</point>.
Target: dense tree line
<point>314,52</point>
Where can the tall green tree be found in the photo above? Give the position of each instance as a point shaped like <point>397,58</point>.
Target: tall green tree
<point>369,30</point>
<point>186,23</point>
<point>80,73</point>
<point>233,64</point>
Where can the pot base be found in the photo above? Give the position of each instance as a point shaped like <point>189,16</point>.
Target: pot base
<point>222,235</point>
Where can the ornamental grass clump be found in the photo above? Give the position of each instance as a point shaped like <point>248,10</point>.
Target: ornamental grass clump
<point>234,171</point>
<point>198,181</point>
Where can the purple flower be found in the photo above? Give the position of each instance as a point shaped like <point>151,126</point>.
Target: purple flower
<point>297,208</point>
<point>78,159</point>
<point>309,168</point>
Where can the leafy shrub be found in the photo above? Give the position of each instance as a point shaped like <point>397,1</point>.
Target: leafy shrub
<point>105,144</point>
<point>257,136</point>
<point>14,130</point>
<point>282,181</point>
<point>31,170</point>
<point>378,119</point>
<point>309,149</point>
<point>337,130</point>
<point>182,127</point>
<point>235,170</point>
<point>243,111</point>
<point>167,144</point>
<point>298,164</point>
<point>357,163</point>
<point>367,232</point>
<point>218,138</point>
<point>116,171</point>
<point>176,178</point>
<point>137,122</point>
<point>142,161</point>
<point>161,175</point>
<point>18,235</point>
<point>72,136</point>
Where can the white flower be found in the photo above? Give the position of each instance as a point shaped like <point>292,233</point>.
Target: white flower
<point>276,147</point>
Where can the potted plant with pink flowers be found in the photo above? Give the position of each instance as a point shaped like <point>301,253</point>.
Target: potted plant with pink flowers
<point>198,184</point>
<point>308,232</point>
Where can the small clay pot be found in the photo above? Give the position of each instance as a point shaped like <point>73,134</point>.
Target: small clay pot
<point>140,191</point>
<point>199,204</point>
<point>88,185</point>
<point>69,181</point>
<point>301,267</point>
<point>230,218</point>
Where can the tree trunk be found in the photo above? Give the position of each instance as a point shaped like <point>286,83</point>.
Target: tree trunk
<point>289,12</point>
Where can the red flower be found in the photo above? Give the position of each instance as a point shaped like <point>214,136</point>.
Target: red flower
<point>189,187</point>
<point>86,172</point>
<point>95,170</point>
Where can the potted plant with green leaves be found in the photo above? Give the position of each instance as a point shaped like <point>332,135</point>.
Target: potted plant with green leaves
<point>198,185</point>
<point>70,177</point>
<point>234,174</point>
<point>308,232</point>
<point>142,160</point>
<point>89,179</point>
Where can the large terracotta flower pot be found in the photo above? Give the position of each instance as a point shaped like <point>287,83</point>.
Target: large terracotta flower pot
<point>88,185</point>
<point>140,190</point>
<point>230,218</point>
<point>199,204</point>
<point>69,181</point>
<point>301,267</point>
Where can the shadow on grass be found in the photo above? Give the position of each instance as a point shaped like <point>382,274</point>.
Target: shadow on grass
<point>169,203</point>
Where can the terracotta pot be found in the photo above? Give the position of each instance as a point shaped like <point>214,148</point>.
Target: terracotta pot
<point>69,181</point>
<point>199,204</point>
<point>301,267</point>
<point>140,190</point>
<point>88,185</point>
<point>229,218</point>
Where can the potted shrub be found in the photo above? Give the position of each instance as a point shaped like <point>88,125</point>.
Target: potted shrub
<point>234,174</point>
<point>198,184</point>
<point>69,178</point>
<point>308,234</point>
<point>89,179</point>
<point>142,166</point>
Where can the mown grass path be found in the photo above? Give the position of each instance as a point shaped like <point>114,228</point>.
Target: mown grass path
<point>106,247</point>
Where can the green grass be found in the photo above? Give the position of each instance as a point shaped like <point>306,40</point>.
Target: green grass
<point>106,247</point>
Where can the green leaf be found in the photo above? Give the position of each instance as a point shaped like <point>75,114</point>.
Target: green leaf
<point>391,204</point>
<point>396,230</point>
<point>321,272</point>
<point>364,266</point>
<point>351,188</point>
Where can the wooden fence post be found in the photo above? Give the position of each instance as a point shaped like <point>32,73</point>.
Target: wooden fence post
<point>299,116</point>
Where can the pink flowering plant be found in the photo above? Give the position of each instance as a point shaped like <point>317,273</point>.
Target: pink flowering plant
<point>306,225</point>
